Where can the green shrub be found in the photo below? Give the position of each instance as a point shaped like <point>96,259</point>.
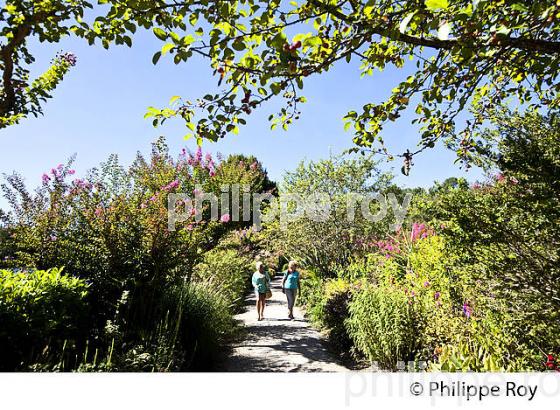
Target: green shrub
<point>382,325</point>
<point>191,326</point>
<point>40,312</point>
<point>338,294</point>
<point>228,271</point>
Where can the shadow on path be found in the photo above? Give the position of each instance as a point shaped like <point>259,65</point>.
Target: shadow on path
<point>278,344</point>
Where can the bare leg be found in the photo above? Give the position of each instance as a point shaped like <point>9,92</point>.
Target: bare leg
<point>262,300</point>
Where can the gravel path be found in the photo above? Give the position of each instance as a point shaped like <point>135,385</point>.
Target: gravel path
<point>278,344</point>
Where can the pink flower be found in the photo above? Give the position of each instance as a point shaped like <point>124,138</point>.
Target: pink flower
<point>71,172</point>
<point>198,155</point>
<point>212,173</point>
<point>225,218</point>
<point>171,185</point>
<point>45,179</point>
<point>254,165</point>
<point>98,211</point>
<point>153,198</point>
<point>467,310</point>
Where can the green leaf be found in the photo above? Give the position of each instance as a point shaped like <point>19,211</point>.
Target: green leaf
<point>156,57</point>
<point>173,99</point>
<point>435,5</point>
<point>166,48</point>
<point>238,45</point>
<point>159,33</point>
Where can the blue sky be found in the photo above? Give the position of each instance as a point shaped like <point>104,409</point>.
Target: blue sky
<point>98,110</point>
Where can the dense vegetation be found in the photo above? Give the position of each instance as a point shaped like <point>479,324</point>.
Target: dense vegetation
<point>133,295</point>
<point>92,279</point>
<point>469,282</point>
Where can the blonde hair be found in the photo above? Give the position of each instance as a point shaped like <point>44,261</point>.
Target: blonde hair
<point>292,265</point>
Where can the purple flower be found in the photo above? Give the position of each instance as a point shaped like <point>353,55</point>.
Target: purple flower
<point>427,284</point>
<point>171,185</point>
<point>467,310</point>
<point>68,58</point>
<point>437,295</point>
<point>45,179</point>
<point>198,155</point>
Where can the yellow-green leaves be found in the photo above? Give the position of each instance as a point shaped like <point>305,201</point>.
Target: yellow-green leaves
<point>436,5</point>
<point>159,33</point>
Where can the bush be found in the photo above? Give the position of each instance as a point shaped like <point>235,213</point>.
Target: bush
<point>382,325</point>
<point>338,294</point>
<point>228,271</point>
<point>40,311</point>
<point>196,323</point>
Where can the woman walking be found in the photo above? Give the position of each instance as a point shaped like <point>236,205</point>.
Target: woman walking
<point>290,286</point>
<point>261,283</point>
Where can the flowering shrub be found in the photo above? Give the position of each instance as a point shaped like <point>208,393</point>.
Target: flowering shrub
<point>110,229</point>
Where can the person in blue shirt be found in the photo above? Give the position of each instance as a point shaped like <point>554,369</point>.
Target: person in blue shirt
<point>291,286</point>
<point>261,283</point>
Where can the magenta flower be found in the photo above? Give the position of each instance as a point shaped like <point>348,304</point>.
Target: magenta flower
<point>467,310</point>
<point>212,173</point>
<point>71,172</point>
<point>198,155</point>
<point>225,218</point>
<point>171,185</point>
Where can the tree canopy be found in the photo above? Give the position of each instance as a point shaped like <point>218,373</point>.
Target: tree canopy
<point>467,56</point>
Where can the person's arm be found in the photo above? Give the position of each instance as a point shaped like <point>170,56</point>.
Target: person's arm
<point>284,281</point>
<point>299,284</point>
